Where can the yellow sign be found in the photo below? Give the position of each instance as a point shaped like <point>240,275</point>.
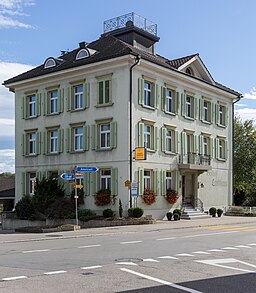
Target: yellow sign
<point>79,186</point>
<point>127,183</point>
<point>140,154</point>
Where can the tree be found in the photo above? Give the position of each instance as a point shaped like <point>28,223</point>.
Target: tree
<point>244,167</point>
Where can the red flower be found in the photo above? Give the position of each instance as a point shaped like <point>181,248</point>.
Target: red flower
<point>171,196</point>
<point>149,196</point>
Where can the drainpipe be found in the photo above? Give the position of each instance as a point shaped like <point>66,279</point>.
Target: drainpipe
<point>239,97</point>
<point>137,60</point>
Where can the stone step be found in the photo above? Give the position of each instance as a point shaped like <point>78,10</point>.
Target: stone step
<point>198,216</point>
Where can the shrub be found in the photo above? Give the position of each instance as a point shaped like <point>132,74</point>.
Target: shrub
<point>169,216</point>
<point>61,208</point>
<point>108,213</point>
<point>177,211</point>
<point>176,216</point>
<point>212,211</point>
<point>24,208</point>
<point>135,212</point>
<point>219,212</point>
<point>85,215</point>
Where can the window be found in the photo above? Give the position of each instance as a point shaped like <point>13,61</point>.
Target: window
<point>105,179</point>
<point>189,147</point>
<point>32,106</point>
<point>149,93</point>
<point>78,97</point>
<point>53,174</point>
<point>148,135</point>
<point>31,143</point>
<point>168,180</point>
<point>31,183</point>
<point>169,101</point>
<point>78,138</point>
<point>221,148</point>
<point>189,71</point>
<point>53,98</point>
<point>104,135</point>
<point>83,53</point>
<point>50,62</point>
<point>189,106</point>
<point>147,179</point>
<point>53,141</point>
<point>104,91</point>
<point>221,115</point>
<point>169,140</point>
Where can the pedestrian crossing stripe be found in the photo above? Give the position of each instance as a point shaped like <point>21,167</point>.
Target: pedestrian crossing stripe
<point>217,228</point>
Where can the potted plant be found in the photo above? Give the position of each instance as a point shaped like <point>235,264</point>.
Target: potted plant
<point>171,196</point>
<point>103,197</point>
<point>219,212</point>
<point>176,216</point>
<point>169,216</point>
<point>149,196</point>
<point>212,211</point>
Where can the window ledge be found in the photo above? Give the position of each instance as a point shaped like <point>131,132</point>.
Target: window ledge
<point>52,114</point>
<point>78,110</point>
<point>221,125</point>
<point>31,155</point>
<point>148,107</point>
<point>104,105</point>
<point>77,152</point>
<point>170,153</point>
<point>31,117</point>
<point>206,122</point>
<point>150,150</point>
<point>104,149</point>
<point>52,154</point>
<point>170,113</point>
<point>221,160</point>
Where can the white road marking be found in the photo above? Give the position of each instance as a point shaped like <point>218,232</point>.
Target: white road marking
<point>150,260</point>
<point>14,278</point>
<point>92,267</point>
<point>126,263</point>
<point>184,254</point>
<point>216,250</point>
<point>89,246</point>
<point>252,244</point>
<point>219,262</point>
<point>162,239</point>
<point>38,250</point>
<point>55,272</point>
<point>168,257</point>
<point>131,242</point>
<point>160,281</point>
<point>230,248</point>
<point>209,234</point>
<point>242,246</point>
<point>201,252</point>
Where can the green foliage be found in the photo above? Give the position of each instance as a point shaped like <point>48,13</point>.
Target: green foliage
<point>219,212</point>
<point>24,208</point>
<point>85,215</point>
<point>120,209</point>
<point>177,211</point>
<point>135,212</point>
<point>212,211</point>
<point>61,208</point>
<point>169,216</point>
<point>108,213</point>
<point>46,192</point>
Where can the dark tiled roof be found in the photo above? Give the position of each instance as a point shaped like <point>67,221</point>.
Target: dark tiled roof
<point>106,47</point>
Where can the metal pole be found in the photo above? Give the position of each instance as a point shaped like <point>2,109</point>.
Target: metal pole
<point>76,199</point>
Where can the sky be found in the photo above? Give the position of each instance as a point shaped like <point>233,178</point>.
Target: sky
<point>222,32</point>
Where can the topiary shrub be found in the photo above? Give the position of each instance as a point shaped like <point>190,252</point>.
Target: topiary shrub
<point>177,211</point>
<point>61,208</point>
<point>169,216</point>
<point>212,211</point>
<point>108,213</point>
<point>219,212</point>
<point>24,208</point>
<point>85,215</point>
<point>135,212</point>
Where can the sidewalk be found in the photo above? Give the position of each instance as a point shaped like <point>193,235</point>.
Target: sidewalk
<point>11,236</point>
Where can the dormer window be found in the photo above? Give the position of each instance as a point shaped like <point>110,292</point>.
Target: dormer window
<point>83,53</point>
<point>189,71</point>
<point>50,62</point>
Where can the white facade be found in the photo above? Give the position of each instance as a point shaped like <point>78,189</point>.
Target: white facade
<point>80,117</point>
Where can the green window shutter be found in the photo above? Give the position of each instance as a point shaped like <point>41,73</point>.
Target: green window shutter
<point>39,175</point>
<point>141,134</point>
<point>24,183</point>
<point>60,140</point>
<point>45,103</point>
<point>177,180</point>
<point>60,100</point>
<point>226,116</point>
<point>211,148</point>
<point>226,150</point>
<point>176,102</point>
<point>68,140</point>
<point>195,108</point>
<point>155,138</point>
<point>94,137</point>
<point>212,112</point>
<point>217,148</point>
<point>163,140</point>
<point>184,143</point>
<point>87,183</point>
<point>38,143</point>
<point>86,95</point>
<point>86,133</point>
<point>200,138</point>
<point>114,181</point>
<point>195,145</point>
<point>141,180</point>
<point>38,104</point>
<point>183,104</point>
<point>217,120</point>
<point>156,181</point>
<point>176,141</point>
<point>94,182</point>
<point>24,144</point>
<point>163,91</point>
<point>157,96</point>
<point>201,103</point>
<point>113,134</point>
<point>163,182</point>
<point>141,91</point>
<point>45,146</point>
<point>69,89</point>
<point>24,107</point>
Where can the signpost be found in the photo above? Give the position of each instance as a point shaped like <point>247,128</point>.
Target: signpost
<point>86,169</point>
<point>134,192</point>
<point>140,154</point>
<point>67,176</point>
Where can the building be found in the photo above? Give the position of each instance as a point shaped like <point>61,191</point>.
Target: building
<point>95,105</point>
<point>7,192</point>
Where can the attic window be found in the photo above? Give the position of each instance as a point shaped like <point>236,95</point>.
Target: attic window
<point>189,71</point>
<point>50,63</point>
<point>83,53</point>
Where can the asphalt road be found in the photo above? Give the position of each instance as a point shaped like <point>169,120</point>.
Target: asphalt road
<point>203,259</point>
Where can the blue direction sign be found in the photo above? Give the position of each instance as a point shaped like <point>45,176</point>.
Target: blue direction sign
<point>67,176</point>
<point>86,169</point>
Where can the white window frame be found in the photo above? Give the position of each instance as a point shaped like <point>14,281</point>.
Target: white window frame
<point>148,94</point>
<point>53,141</point>
<point>105,179</point>
<point>148,136</point>
<point>147,179</point>
<point>206,146</point>
<point>168,180</point>
<point>222,114</point>
<point>31,143</point>
<point>54,104</point>
<point>31,106</point>
<point>31,182</point>
<point>78,133</point>
<point>78,97</point>
<point>222,150</point>
<point>189,106</point>
<point>206,111</point>
<point>170,140</point>
<point>169,102</point>
<point>104,136</point>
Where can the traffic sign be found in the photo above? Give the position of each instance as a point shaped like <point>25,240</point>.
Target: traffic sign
<point>79,186</point>
<point>140,153</point>
<point>127,183</point>
<point>67,176</point>
<point>86,169</point>
<point>134,189</point>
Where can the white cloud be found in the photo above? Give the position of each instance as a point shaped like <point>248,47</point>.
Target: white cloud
<point>246,113</point>
<point>7,161</point>
<point>251,95</point>
<point>10,10</point>
<point>241,105</point>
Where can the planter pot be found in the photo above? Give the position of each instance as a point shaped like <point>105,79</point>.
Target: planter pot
<point>169,216</point>
<point>176,217</point>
